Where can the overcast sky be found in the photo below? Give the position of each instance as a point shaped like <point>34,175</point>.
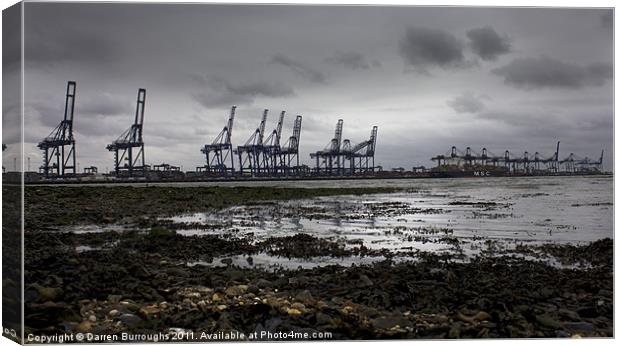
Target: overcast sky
<point>503,78</point>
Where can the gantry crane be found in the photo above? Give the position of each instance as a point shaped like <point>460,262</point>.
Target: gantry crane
<point>271,147</point>
<point>290,151</point>
<point>362,156</point>
<point>330,161</point>
<point>220,151</point>
<point>129,147</point>
<point>59,147</point>
<point>251,158</point>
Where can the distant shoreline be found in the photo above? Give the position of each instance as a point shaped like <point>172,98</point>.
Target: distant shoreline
<point>282,179</point>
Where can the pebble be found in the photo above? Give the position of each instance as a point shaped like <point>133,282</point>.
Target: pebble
<point>84,327</point>
<point>262,283</point>
<point>298,306</point>
<point>130,320</point>
<point>365,281</point>
<point>322,318</point>
<point>569,314</point>
<point>548,321</point>
<point>149,311</point>
<point>304,297</point>
<point>234,291</point>
<point>114,298</point>
<point>49,293</point>
<point>92,318</point>
<point>579,326</point>
<point>479,316</point>
<point>293,312</point>
<point>387,322</point>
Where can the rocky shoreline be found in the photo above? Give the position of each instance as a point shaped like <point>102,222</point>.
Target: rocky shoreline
<point>140,281</point>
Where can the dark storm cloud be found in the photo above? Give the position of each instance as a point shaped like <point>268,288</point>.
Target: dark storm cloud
<point>467,103</point>
<point>222,92</point>
<point>73,47</point>
<point>352,60</point>
<point>425,47</point>
<point>487,43</point>
<point>11,35</point>
<point>299,68</point>
<point>544,72</point>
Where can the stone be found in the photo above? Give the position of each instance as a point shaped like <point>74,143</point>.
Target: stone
<point>569,314</point>
<point>298,306</point>
<point>479,316</point>
<point>587,312</point>
<point>304,297</point>
<point>262,283</point>
<point>49,293</point>
<point>113,313</point>
<point>548,321</point>
<point>322,318</point>
<point>546,292</point>
<point>84,327</point>
<point>293,312</point>
<point>221,307</point>
<point>130,320</point>
<point>149,311</point>
<point>387,322</point>
<point>216,297</point>
<point>234,291</point>
<point>130,306</point>
<point>579,327</point>
<point>114,298</point>
<point>365,281</point>
<point>455,331</point>
<point>92,318</point>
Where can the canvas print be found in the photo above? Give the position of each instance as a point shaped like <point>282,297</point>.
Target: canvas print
<point>233,172</point>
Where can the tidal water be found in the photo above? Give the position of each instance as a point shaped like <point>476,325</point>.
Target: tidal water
<point>485,214</point>
<point>465,216</point>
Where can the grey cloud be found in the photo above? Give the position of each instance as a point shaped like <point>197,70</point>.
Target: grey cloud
<point>221,100</point>
<point>352,60</point>
<point>225,93</point>
<point>97,127</point>
<point>487,43</point>
<point>74,47</point>
<point>425,47</point>
<point>544,72</point>
<point>262,88</point>
<point>11,36</point>
<point>104,104</point>
<point>48,116</point>
<point>300,68</point>
<point>468,102</point>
